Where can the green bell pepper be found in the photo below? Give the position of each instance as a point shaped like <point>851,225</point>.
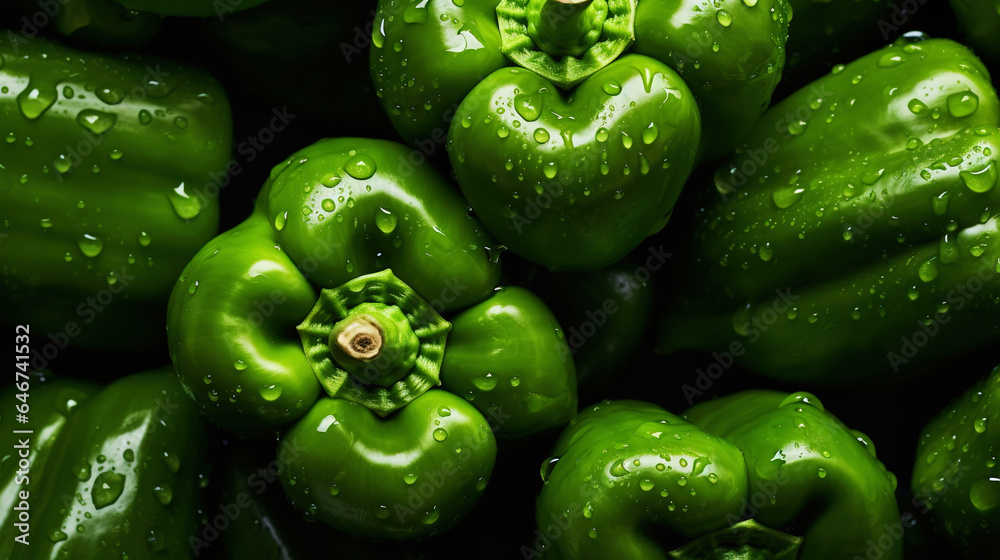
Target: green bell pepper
<point>731,56</point>
<point>367,476</point>
<point>508,340</point>
<point>756,475</point>
<point>583,181</point>
<point>955,476</point>
<point>260,524</point>
<point>114,472</point>
<point>980,20</point>
<point>315,256</point>
<point>575,179</point>
<point>190,8</point>
<point>428,56</point>
<point>102,22</point>
<point>103,165</point>
<point>854,233</point>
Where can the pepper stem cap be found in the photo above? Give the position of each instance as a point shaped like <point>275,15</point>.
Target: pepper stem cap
<point>360,339</point>
<point>565,41</point>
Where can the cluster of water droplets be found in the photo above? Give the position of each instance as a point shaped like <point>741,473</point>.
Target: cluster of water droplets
<point>105,480</point>
<point>41,96</point>
<point>872,192</point>
<point>963,442</point>
<point>425,91</point>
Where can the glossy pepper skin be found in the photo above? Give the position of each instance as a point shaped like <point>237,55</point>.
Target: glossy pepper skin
<point>632,480</point>
<point>955,475</point>
<point>361,253</point>
<point>103,198</point>
<point>729,53</point>
<point>190,8</point>
<point>980,21</point>
<point>853,235</point>
<point>114,472</point>
<point>268,527</point>
<point>580,192</point>
<point>448,49</point>
<point>378,490</point>
<point>483,353</point>
<point>563,155</point>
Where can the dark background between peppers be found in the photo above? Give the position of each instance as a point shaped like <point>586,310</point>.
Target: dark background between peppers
<point>331,95</point>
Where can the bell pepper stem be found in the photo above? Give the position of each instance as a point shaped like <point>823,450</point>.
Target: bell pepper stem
<point>565,27</point>
<point>375,343</point>
<point>361,339</point>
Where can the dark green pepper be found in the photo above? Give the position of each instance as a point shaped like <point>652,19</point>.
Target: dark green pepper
<point>575,179</point>
<point>855,232</point>
<point>955,476</point>
<point>102,22</point>
<point>258,523</point>
<point>484,347</point>
<point>115,473</point>
<point>315,256</point>
<point>416,473</point>
<point>50,406</point>
<point>980,20</point>
<point>756,475</point>
<point>730,53</point>
<point>578,183</point>
<point>605,314</point>
<point>104,166</point>
<point>428,56</point>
